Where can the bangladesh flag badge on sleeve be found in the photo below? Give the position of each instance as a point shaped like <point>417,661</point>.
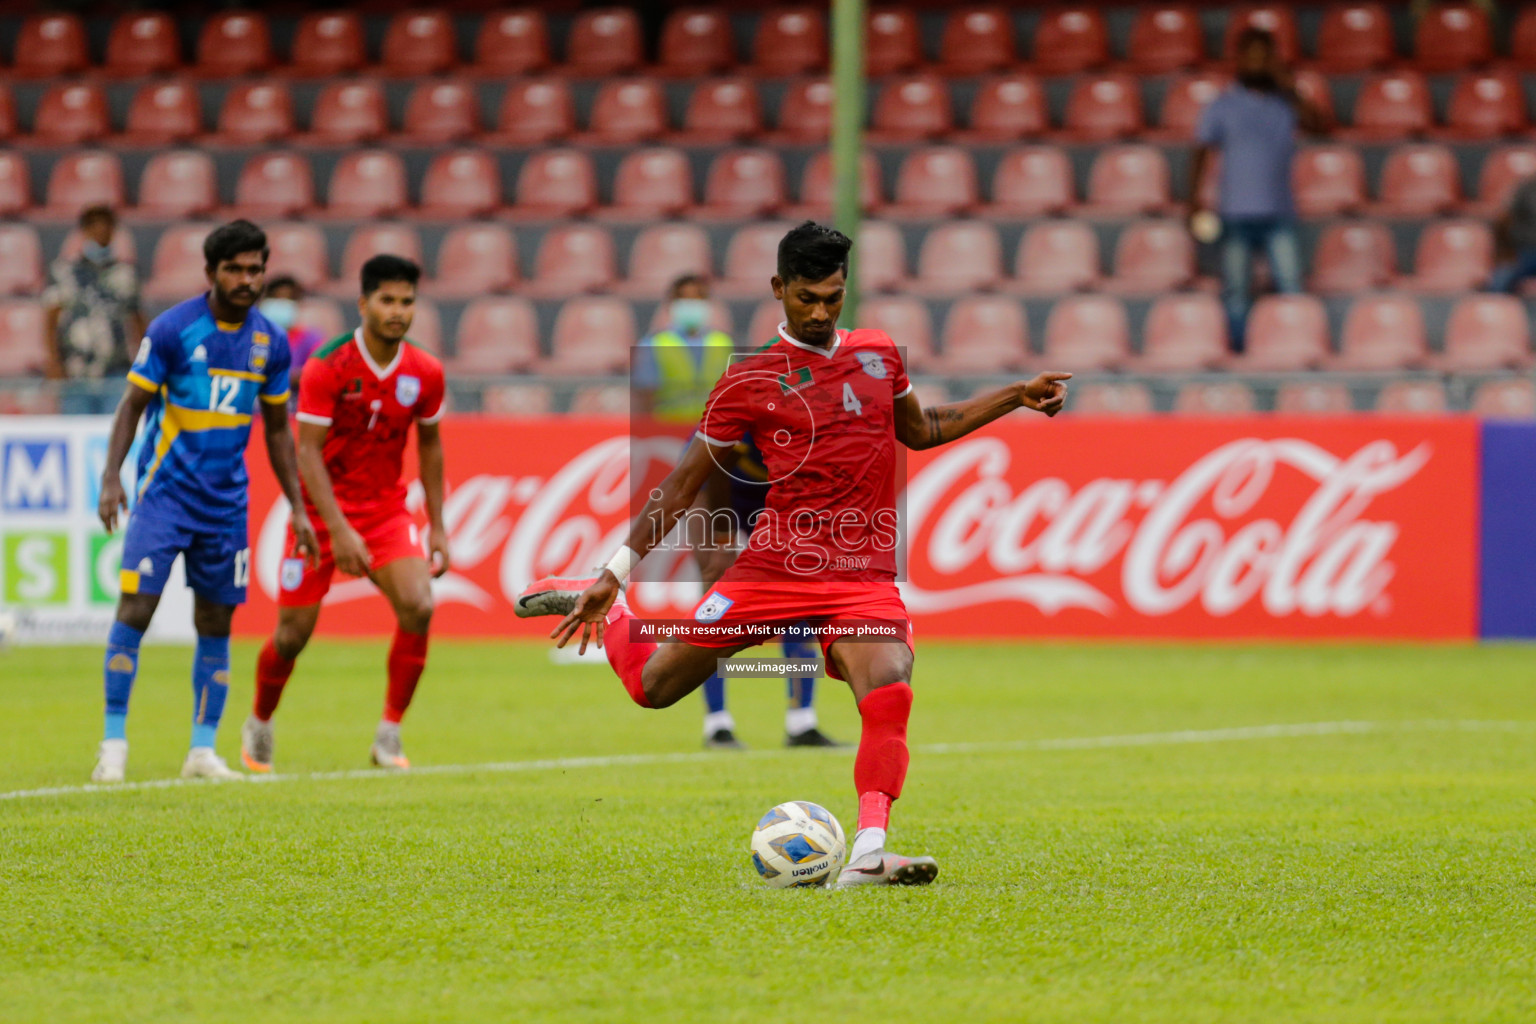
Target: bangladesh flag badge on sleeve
<point>795,379</point>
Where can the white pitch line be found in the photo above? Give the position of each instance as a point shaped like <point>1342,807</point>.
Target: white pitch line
<point>1144,739</point>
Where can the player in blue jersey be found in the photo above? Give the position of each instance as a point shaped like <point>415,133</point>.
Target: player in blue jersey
<point>200,374</point>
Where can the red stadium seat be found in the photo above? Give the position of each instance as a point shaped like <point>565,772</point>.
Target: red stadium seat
<point>765,321</point>
<point>1031,181</point>
<point>366,184</point>
<point>71,115</point>
<point>816,185</point>
<point>1112,400</point>
<point>985,334</point>
<point>496,336</point>
<point>439,112</point>
<point>255,113</point>
<point>664,252</point>
<point>628,110</point>
<point>1453,36</point>
<point>1007,107</point>
<point>349,112</point>
<point>178,185</point>
<point>1313,399</point>
<point>936,181</point>
<point>163,113</point>
<point>1166,38</point>
<point>1503,169</point>
<point>177,270</point>
<point>123,246</point>
<point>912,108</point>
<point>1513,399</point>
<point>426,329</point>
<point>21,260</point>
<point>299,250</point>
<point>1227,398</point>
<point>143,43</point>
<point>1487,332</point>
<point>475,259</point>
<point>1285,333</point>
<point>1129,179</point>
<point>1152,257</point>
<point>592,336</point>
<point>976,41</point>
<point>1184,102</point>
<point>1087,332</point>
<point>1522,45</point>
<point>906,321</point>
<point>534,112</point>
<point>806,113</point>
<point>1277,20</point>
<point>323,314</point>
<point>51,46</point>
<point>517,400</point>
<point>790,41</point>
<point>1452,256</point>
<point>600,400</point>
<point>8,126</point>
<point>1104,107</point>
<point>419,43</point>
<point>512,43</point>
<point>556,183</point>
<point>22,325</point>
<point>275,185</point>
<point>1382,332</point>
<point>328,44</point>
<point>1328,180</point>
<point>1353,256</point>
<point>1184,333</point>
<point>651,183</point>
<point>1057,256</point>
<point>751,259</point>
<point>375,240</point>
<point>893,43</point>
<point>1412,397</point>
<point>1419,181</point>
<point>1070,39</point>
<point>234,43</point>
<point>573,259</point>
<point>1312,86</point>
<point>1354,37</point>
<point>1392,105</point>
<point>723,110</point>
<point>960,256</point>
<point>1486,105</point>
<point>604,42</point>
<point>881,264</point>
<point>460,185</point>
<point>696,41</point>
<point>84,179</point>
<point>745,183</point>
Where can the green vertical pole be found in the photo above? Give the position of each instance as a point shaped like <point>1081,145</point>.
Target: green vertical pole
<point>848,131</point>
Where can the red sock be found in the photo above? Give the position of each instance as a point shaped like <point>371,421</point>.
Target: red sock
<point>880,767</point>
<point>272,672</point>
<point>627,656</point>
<point>407,657</point>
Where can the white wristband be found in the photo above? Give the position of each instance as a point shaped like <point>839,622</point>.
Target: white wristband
<point>623,563</point>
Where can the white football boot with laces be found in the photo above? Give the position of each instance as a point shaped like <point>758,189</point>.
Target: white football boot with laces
<point>256,744</point>
<point>881,868</point>
<point>111,761</point>
<point>203,763</point>
<point>387,752</point>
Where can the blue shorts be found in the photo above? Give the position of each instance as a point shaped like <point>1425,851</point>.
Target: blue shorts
<point>749,496</point>
<point>218,562</point>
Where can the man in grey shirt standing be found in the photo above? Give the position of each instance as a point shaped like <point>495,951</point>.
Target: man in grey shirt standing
<point>1253,125</point>
<point>1517,238</point>
<point>94,315</point>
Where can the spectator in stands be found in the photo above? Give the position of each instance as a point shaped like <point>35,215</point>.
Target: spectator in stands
<point>1517,239</point>
<point>1253,124</point>
<point>94,314</point>
<point>281,306</point>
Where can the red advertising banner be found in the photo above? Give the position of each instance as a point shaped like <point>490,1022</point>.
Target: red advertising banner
<point>1166,527</point>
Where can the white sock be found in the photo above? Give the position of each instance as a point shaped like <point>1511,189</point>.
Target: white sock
<point>799,720</point>
<point>714,721</point>
<point>868,840</point>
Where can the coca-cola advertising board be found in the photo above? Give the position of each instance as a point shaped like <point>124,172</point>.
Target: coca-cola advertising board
<point>1163,527</point>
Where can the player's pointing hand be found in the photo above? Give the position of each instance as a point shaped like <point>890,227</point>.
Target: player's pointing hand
<point>1047,393</point>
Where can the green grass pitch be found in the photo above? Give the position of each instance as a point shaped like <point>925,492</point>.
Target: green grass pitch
<point>1377,869</point>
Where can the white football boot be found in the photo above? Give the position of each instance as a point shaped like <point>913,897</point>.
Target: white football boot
<point>111,761</point>
<point>203,763</point>
<point>387,751</point>
<point>256,745</point>
<point>881,868</point>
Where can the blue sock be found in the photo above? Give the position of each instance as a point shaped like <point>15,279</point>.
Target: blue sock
<point>119,668</point>
<point>802,691</point>
<point>714,694</point>
<point>210,687</point>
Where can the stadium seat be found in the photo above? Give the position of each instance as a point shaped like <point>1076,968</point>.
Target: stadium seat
<point>1512,399</point>
<point>177,269</point>
<point>83,179</point>
<point>722,110</point>
<point>555,183</point>
<point>600,400</point>
<point>1313,398</point>
<point>977,41</point>
<point>8,127</point>
<point>1312,86</point>
<point>163,113</point>
<point>323,314</point>
<point>790,41</point>
<point>907,322</point>
<point>1353,256</point>
<point>1111,400</point>
<point>1129,179</point>
<point>911,108</point>
<point>234,43</point>
<point>123,247</point>
<point>366,184</point>
<point>1502,170</point>
<point>1166,38</point>
<point>1354,37</point>
<point>299,250</point>
<point>1007,107</point>
<point>273,185</point>
<point>985,334</point>
<point>21,260</point>
<point>1412,397</point>
<point>935,181</point>
<point>593,335</point>
<point>1487,332</point>
<point>51,46</point>
<point>661,254</point>
<point>1087,332</point>
<point>1227,398</point>
<point>348,112</point>
<point>751,259</point>
<point>22,325</point>
<point>142,43</point>
<point>805,115</point>
<point>534,112</point>
<point>255,113</point>
<point>426,330</point>
<point>475,259</point>
<point>461,184</point>
<point>764,325</point>
<point>1056,256</point>
<point>1381,333</point>
<point>419,43</point>
<point>960,256</point>
<point>626,111</point>
<point>816,185</point>
<point>1183,333</point>
<point>1450,37</point>
<point>651,183</point>
<point>328,44</point>
<point>696,41</point>
<point>604,42</point>
<point>1069,40</point>
<point>1183,103</point>
<point>1485,106</point>
<point>71,115</point>
<point>1522,43</point>
<point>517,400</point>
<point>1285,333</point>
<point>496,336</point>
<point>439,112</point>
<point>1392,105</point>
<point>1452,256</point>
<point>1279,21</point>
<point>373,240</point>
<point>1328,180</point>
<point>178,185</point>
<point>1419,181</point>
<point>744,183</point>
<point>1102,107</point>
<point>1152,257</point>
<point>572,259</point>
<point>512,43</point>
<point>893,42</point>
<point>1031,181</point>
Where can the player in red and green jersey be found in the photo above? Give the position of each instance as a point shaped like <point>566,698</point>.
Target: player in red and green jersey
<point>358,398</point>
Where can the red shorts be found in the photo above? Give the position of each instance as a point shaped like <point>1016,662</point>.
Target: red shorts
<point>389,532</point>
<point>860,612</point>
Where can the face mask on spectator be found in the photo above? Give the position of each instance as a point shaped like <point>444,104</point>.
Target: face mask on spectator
<point>96,252</point>
<point>284,313</point>
<point>690,315</point>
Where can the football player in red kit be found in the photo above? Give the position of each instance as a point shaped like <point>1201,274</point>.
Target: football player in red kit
<point>359,396</point>
<point>827,408</point>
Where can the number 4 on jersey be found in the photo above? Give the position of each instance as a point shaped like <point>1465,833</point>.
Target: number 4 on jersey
<point>851,400</point>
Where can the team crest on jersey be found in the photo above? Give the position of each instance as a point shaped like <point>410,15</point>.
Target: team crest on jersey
<point>292,573</point>
<point>793,381</point>
<point>714,606</point>
<point>873,364</point>
<point>354,388</point>
<point>407,390</point>
<point>261,347</point>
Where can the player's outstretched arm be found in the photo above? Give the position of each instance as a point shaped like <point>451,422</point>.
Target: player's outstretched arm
<point>125,423</point>
<point>429,456</point>
<point>919,428</point>
<point>280,454</point>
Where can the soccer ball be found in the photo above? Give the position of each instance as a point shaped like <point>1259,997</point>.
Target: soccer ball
<point>798,844</point>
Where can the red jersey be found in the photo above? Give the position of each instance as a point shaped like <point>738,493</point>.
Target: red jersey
<point>369,410</point>
<point>824,419</point>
